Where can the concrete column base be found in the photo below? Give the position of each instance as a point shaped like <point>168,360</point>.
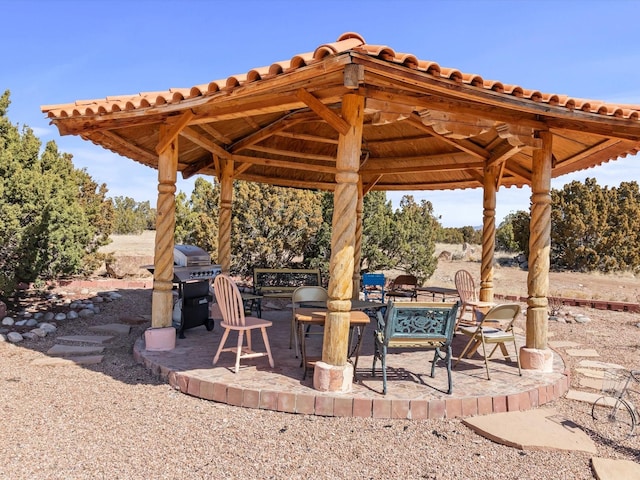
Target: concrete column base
<point>332,378</point>
<point>160,339</point>
<point>536,359</point>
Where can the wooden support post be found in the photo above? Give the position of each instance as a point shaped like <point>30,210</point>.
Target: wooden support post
<point>162,295</point>
<point>334,373</point>
<point>357,252</point>
<point>535,355</point>
<point>488,232</point>
<point>224,227</point>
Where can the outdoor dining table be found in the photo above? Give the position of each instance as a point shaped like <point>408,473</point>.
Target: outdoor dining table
<point>444,291</point>
<point>315,313</point>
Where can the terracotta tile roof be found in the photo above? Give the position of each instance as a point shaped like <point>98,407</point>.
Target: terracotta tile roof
<point>347,42</point>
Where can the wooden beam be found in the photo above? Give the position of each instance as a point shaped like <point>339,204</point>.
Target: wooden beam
<point>269,162</point>
<point>307,137</point>
<point>418,168</point>
<point>286,182</point>
<point>206,143</point>
<point>518,171</point>
<point>328,115</point>
<point>282,123</point>
<point>502,153</point>
<point>123,143</point>
<point>194,168</point>
<point>367,188</point>
<point>175,127</point>
<point>293,154</point>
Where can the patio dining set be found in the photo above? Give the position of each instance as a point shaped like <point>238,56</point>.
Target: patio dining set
<point>400,321</point>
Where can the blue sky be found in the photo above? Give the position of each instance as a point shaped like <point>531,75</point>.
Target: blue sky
<point>62,51</point>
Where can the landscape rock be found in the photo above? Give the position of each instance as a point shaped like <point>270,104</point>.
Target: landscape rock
<point>86,312</point>
<point>60,316</point>
<point>14,337</point>
<point>48,316</point>
<point>48,327</point>
<point>39,332</point>
<point>31,322</point>
<point>8,321</point>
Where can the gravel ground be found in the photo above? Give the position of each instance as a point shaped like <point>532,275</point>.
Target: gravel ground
<point>115,420</point>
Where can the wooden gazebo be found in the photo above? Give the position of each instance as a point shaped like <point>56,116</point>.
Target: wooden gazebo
<point>352,117</point>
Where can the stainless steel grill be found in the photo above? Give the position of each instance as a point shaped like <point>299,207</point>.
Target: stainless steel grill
<point>192,263</point>
<point>192,271</point>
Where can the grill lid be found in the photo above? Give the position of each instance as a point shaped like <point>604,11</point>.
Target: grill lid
<point>190,256</point>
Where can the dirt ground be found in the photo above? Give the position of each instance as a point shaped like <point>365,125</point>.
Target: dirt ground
<point>132,252</point>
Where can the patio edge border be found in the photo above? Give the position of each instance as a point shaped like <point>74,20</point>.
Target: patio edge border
<point>339,406</point>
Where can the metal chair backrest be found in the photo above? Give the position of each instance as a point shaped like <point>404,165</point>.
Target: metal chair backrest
<point>466,286</point>
<point>229,300</point>
<point>309,293</point>
<point>504,314</point>
<point>427,324</point>
<point>373,285</point>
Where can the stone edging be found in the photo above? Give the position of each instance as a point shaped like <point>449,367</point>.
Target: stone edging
<point>345,406</point>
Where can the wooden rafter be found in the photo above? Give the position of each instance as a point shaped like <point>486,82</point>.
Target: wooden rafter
<point>134,149</point>
<point>588,152</point>
<point>222,138</point>
<point>282,123</point>
<point>204,141</point>
<point>328,115</point>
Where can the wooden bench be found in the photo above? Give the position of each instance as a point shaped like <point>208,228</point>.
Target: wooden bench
<point>281,282</point>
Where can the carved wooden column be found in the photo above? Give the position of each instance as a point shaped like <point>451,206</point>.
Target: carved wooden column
<point>224,228</point>
<point>357,252</point>
<point>161,336</point>
<point>334,373</point>
<point>488,233</point>
<point>535,355</point>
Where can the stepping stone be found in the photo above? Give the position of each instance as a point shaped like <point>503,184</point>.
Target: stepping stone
<point>580,396</point>
<point>118,328</point>
<point>134,320</point>
<point>585,352</point>
<point>87,338</point>
<point>562,344</point>
<point>610,469</point>
<point>593,383</point>
<point>66,350</point>
<point>589,372</point>
<point>596,364</point>
<point>539,429</point>
<point>68,361</point>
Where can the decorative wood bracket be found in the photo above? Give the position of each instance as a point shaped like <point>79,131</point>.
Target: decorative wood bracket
<point>174,130</point>
<point>385,111</point>
<point>455,125</point>
<point>518,136</point>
